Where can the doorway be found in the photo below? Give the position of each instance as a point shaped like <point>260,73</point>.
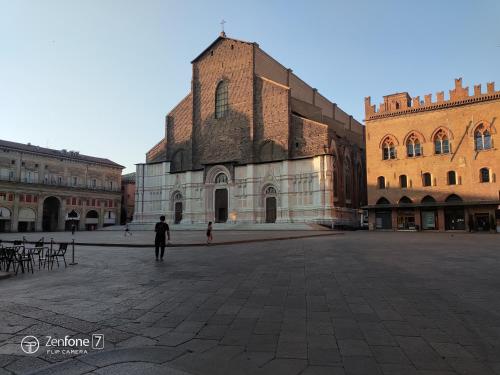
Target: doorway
<point>270,209</point>
<point>91,220</point>
<point>50,218</point>
<point>178,212</point>
<point>221,205</point>
<point>482,222</point>
<point>406,220</point>
<point>454,218</point>
<point>383,219</point>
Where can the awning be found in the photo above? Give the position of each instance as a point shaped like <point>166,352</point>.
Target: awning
<point>72,215</point>
<point>432,204</point>
<point>27,215</point>
<point>4,213</point>
<point>110,217</point>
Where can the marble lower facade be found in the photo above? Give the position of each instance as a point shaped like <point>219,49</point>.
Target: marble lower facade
<point>275,192</point>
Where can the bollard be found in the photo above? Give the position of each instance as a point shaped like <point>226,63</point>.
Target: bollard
<point>73,263</point>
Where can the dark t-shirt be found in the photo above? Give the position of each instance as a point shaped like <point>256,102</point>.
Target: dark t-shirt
<point>161,228</point>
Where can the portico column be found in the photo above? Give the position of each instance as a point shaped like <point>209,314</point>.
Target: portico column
<point>418,221</point>
<point>441,219</point>
<point>81,223</point>
<point>39,214</point>
<point>14,217</point>
<point>61,220</point>
<point>100,221</point>
<point>394,219</point>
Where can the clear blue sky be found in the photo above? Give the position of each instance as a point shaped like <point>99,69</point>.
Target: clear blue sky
<point>99,76</point>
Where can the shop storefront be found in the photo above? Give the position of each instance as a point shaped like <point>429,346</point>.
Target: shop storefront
<point>383,219</point>
<point>406,219</point>
<point>429,219</point>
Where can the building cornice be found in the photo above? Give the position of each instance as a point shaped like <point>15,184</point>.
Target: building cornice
<point>435,106</point>
<point>401,104</point>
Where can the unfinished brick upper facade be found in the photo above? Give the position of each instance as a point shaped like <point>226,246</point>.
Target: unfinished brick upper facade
<point>271,116</point>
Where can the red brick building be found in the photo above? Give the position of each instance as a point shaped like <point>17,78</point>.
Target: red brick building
<point>252,142</point>
<point>433,165</point>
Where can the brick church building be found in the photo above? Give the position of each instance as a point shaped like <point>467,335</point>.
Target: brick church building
<point>252,143</point>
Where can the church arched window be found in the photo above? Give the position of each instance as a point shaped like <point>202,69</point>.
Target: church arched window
<point>347,180</point>
<point>221,99</point>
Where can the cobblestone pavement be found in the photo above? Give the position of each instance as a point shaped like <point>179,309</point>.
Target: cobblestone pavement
<point>177,237</point>
<point>358,303</point>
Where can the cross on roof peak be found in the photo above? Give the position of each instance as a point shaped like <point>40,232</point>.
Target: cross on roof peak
<point>222,33</point>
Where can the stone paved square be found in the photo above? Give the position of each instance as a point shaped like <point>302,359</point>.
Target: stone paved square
<point>347,303</point>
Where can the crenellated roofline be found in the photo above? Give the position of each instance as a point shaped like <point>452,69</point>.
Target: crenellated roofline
<point>402,104</point>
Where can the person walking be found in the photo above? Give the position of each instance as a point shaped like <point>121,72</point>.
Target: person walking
<point>161,228</point>
<point>73,228</point>
<point>127,231</point>
<point>209,233</point>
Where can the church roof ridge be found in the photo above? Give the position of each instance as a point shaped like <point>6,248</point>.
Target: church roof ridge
<point>221,36</point>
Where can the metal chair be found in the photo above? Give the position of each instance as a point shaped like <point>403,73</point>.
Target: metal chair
<point>3,258</point>
<point>25,258</point>
<point>58,253</point>
<point>13,259</point>
<point>41,251</point>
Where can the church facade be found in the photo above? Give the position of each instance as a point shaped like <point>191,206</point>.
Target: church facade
<point>252,143</point>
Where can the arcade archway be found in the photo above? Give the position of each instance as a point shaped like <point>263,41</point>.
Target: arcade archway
<point>50,219</point>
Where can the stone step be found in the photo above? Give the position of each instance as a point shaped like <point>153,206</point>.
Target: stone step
<point>225,226</point>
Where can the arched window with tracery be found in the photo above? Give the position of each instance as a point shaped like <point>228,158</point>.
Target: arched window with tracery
<point>221,99</point>
<point>335,183</point>
<point>413,146</point>
<point>221,178</point>
<point>388,149</point>
<point>347,179</point>
<point>441,142</point>
<point>482,137</point>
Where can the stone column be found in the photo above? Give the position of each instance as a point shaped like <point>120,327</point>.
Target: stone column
<point>441,219</point>
<point>81,223</point>
<point>100,221</point>
<point>418,221</point>
<point>394,219</point>
<point>39,214</point>
<point>14,217</point>
<point>61,221</point>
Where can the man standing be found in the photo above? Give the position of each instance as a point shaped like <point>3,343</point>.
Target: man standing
<point>160,228</point>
